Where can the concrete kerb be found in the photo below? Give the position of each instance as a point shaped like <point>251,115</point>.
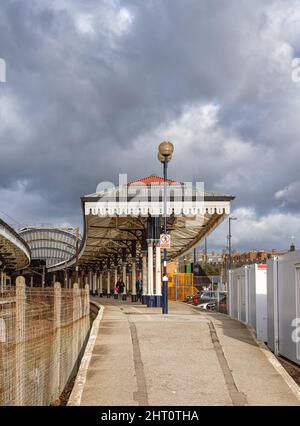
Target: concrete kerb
<point>276,364</point>
<point>266,351</point>
<point>77,391</point>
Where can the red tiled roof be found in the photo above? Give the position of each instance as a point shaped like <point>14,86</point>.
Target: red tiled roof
<point>152,180</point>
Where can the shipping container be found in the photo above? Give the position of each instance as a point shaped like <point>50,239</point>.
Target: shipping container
<point>284,305</point>
<point>248,297</point>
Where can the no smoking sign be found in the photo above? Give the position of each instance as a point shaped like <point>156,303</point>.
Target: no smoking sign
<point>165,241</point>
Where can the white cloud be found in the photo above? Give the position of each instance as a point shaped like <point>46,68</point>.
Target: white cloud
<point>100,83</point>
<point>289,195</point>
<point>124,20</point>
<point>84,23</point>
<point>13,120</point>
<point>108,20</point>
<point>205,149</point>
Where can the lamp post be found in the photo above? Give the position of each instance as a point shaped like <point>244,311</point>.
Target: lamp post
<point>165,151</point>
<point>229,244</point>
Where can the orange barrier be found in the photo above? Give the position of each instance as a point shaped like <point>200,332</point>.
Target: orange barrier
<point>180,286</point>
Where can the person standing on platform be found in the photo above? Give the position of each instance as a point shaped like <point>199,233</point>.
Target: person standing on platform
<point>138,287</point>
<point>120,286</point>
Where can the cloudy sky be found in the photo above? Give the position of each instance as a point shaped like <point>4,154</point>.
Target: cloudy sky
<point>94,85</point>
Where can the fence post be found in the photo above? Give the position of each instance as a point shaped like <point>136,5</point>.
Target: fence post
<point>275,301</point>
<point>87,311</point>
<point>2,281</point>
<point>247,299</point>
<point>56,344</point>
<point>20,342</point>
<point>75,323</point>
<point>2,358</point>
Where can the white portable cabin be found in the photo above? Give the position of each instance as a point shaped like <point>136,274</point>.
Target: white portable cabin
<point>248,297</point>
<point>284,305</point>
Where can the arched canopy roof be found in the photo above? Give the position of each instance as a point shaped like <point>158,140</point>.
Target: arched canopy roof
<point>14,251</point>
<point>116,220</point>
<point>52,244</point>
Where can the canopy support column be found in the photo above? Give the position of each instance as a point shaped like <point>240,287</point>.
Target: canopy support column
<point>2,282</point>
<point>133,281</point>
<point>78,277</point>
<point>145,279</point>
<point>108,283</point>
<point>158,295</point>
<point>66,278</point>
<point>95,284</point>
<point>90,280</point>
<point>124,278</point>
<point>100,284</point>
<point>115,283</point>
<point>150,301</point>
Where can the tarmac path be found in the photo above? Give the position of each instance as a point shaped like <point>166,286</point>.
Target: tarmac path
<point>188,357</point>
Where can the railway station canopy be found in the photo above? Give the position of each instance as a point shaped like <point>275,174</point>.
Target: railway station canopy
<point>49,244</point>
<point>14,251</point>
<point>118,221</point>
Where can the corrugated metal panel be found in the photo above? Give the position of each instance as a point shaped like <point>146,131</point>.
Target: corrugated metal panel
<point>297,319</point>
<point>237,295</point>
<point>287,304</point>
<point>285,298</point>
<point>252,297</point>
<point>261,302</point>
<point>248,288</point>
<point>272,264</point>
<point>242,295</point>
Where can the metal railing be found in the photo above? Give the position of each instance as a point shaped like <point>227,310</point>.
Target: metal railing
<point>209,282</point>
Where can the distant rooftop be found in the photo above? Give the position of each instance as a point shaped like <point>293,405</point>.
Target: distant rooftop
<point>154,180</point>
<point>157,180</point>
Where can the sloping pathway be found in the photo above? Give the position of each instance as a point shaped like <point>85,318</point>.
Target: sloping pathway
<point>188,357</point>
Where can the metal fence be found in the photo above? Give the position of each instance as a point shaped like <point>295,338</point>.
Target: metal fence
<point>42,332</point>
<point>209,282</point>
<point>180,286</point>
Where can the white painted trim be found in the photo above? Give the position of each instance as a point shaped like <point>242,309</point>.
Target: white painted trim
<point>111,209</point>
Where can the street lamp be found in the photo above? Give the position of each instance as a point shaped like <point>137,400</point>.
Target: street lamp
<point>229,244</point>
<point>165,151</point>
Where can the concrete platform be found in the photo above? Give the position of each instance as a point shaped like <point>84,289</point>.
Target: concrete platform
<point>189,357</point>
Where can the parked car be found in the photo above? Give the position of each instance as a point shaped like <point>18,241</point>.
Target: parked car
<point>210,306</point>
<point>189,299</point>
<point>211,296</point>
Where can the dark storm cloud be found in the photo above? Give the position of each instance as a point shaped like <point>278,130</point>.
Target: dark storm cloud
<point>93,87</point>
